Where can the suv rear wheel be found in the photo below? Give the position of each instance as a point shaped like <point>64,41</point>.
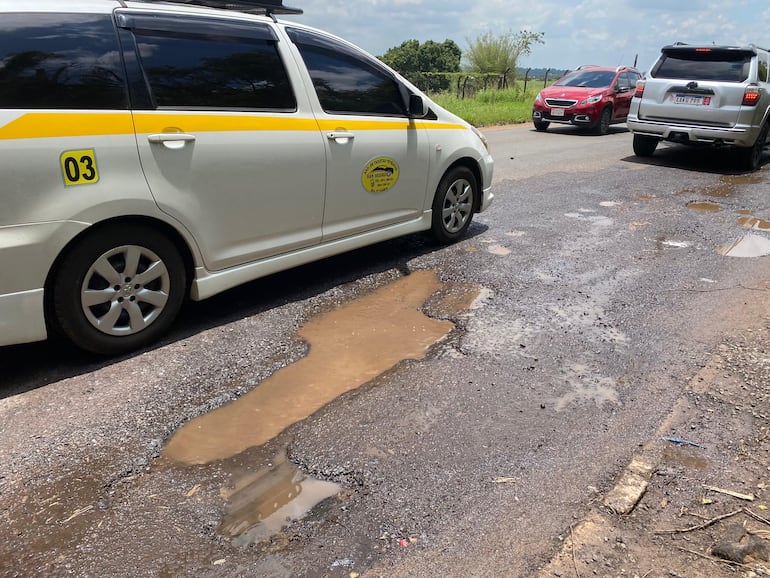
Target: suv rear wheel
<point>644,146</point>
<point>753,155</point>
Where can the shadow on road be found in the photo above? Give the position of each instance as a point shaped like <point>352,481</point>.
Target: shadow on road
<point>30,366</point>
<point>721,161</point>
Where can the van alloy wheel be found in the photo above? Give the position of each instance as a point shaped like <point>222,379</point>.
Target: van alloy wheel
<point>118,289</point>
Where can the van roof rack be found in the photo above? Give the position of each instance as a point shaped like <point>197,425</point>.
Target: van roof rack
<point>268,7</point>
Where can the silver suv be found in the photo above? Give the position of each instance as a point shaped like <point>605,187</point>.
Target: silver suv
<point>704,94</point>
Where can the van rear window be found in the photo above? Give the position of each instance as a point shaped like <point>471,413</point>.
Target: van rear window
<point>691,64</point>
<point>60,61</point>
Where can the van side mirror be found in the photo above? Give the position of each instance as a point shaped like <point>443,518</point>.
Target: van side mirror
<point>418,107</point>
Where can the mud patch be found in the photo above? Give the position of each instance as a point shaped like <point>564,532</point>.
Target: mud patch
<point>586,387</point>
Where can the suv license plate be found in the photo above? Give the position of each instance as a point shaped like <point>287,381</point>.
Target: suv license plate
<point>696,99</point>
<point>557,112</point>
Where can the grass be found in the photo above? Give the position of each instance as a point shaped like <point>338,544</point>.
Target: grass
<point>492,107</point>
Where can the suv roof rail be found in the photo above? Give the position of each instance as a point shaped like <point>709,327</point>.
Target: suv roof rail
<point>582,66</point>
<point>268,7</point>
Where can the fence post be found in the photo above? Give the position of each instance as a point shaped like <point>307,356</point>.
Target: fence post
<point>526,78</point>
<point>545,82</point>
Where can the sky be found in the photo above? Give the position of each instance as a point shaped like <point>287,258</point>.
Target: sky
<point>576,32</point>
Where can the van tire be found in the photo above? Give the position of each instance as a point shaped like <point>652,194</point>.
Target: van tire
<point>644,146</point>
<point>752,156</point>
<point>454,204</point>
<point>118,289</point>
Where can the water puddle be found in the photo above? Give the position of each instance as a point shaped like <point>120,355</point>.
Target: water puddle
<point>704,207</point>
<point>684,457</point>
<point>749,245</point>
<point>349,346</point>
<point>755,223</point>
<point>262,504</point>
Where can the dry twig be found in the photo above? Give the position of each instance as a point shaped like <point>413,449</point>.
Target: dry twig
<point>572,543</point>
<point>705,524</point>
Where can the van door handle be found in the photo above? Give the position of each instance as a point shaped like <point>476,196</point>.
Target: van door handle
<point>172,140</point>
<point>341,137</point>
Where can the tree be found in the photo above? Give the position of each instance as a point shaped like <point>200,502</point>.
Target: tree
<point>490,54</point>
<point>417,62</point>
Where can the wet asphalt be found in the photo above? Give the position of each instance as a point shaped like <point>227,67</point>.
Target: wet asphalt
<point>603,284</point>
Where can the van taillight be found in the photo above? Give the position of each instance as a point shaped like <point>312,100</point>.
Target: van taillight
<point>639,89</point>
<point>751,96</point>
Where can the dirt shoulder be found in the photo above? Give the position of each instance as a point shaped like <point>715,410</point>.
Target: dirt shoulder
<point>694,501</point>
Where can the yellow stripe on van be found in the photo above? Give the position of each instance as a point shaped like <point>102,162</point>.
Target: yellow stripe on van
<point>64,124</point>
<point>76,124</point>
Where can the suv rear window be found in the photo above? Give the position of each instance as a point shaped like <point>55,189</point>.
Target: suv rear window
<point>703,64</point>
<point>60,61</point>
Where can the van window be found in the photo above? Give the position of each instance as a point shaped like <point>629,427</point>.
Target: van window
<point>221,68</point>
<point>347,82</point>
<point>60,61</point>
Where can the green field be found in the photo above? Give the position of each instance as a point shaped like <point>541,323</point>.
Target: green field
<point>492,107</point>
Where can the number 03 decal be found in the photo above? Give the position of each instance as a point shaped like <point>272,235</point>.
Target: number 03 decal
<point>79,167</point>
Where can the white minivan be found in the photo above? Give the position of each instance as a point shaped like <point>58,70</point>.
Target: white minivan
<point>158,151</point>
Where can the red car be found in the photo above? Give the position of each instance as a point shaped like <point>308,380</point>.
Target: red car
<point>592,97</point>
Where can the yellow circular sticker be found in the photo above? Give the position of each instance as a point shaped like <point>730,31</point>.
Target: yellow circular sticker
<point>379,175</point>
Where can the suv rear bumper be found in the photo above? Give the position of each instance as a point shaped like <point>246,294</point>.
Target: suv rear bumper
<point>740,136</point>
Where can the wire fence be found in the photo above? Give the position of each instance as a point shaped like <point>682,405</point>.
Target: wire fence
<point>469,84</point>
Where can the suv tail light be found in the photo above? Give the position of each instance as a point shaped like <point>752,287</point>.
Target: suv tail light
<point>751,96</point>
<point>640,89</point>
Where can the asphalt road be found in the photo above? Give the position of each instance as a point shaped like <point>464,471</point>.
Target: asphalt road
<point>553,342</point>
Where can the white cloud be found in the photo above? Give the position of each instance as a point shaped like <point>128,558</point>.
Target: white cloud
<point>578,32</point>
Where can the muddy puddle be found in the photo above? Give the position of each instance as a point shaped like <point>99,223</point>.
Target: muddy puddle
<point>726,187</point>
<point>749,245</point>
<point>704,207</point>
<point>348,346</point>
<point>751,222</point>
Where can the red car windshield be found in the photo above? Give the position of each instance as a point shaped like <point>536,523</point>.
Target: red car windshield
<point>587,78</point>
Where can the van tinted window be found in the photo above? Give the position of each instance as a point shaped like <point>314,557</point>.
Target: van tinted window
<point>214,70</point>
<point>347,82</point>
<point>717,65</point>
<point>60,61</point>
